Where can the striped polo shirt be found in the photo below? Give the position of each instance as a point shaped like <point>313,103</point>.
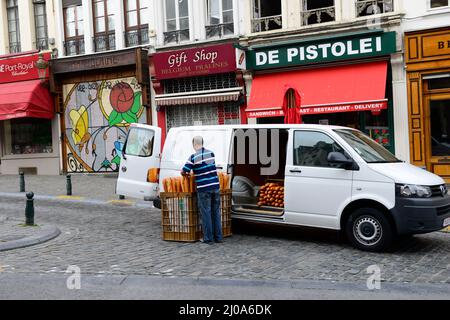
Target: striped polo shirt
<point>203,165</point>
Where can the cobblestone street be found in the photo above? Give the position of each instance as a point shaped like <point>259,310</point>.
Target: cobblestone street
<point>126,240</point>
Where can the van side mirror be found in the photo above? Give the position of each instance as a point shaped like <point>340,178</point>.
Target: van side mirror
<point>340,159</point>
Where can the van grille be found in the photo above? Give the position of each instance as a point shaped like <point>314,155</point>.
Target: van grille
<point>436,190</point>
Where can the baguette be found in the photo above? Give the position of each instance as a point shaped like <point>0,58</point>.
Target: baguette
<point>220,176</point>
<point>227,181</point>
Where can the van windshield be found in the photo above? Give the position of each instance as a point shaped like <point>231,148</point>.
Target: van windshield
<point>367,148</point>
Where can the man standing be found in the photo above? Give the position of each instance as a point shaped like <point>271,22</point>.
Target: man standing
<point>203,165</point>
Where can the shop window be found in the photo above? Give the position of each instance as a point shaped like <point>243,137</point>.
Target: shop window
<point>177,21</point>
<point>202,114</point>
<point>370,7</point>
<point>266,15</point>
<point>375,125</point>
<point>28,136</point>
<point>439,83</point>
<point>73,29</point>
<point>12,13</point>
<point>439,3</point>
<point>317,11</point>
<point>201,83</point>
<point>104,35</point>
<point>136,22</point>
<point>40,24</point>
<point>311,149</point>
<point>220,18</point>
<point>440,127</point>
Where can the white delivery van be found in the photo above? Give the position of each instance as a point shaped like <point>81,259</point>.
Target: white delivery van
<point>334,178</point>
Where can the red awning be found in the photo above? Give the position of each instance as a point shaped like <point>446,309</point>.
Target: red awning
<point>357,87</point>
<point>25,99</point>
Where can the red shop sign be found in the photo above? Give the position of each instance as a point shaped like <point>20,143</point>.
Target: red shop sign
<point>195,61</point>
<point>374,107</point>
<point>20,68</point>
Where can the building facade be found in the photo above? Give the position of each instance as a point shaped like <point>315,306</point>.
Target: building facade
<point>196,75</point>
<point>100,79</point>
<point>344,58</point>
<point>427,54</point>
<point>29,131</point>
<point>214,61</point>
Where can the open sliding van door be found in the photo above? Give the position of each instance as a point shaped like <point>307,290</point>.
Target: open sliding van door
<point>140,163</point>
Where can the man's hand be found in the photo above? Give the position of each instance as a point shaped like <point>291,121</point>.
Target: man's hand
<point>184,174</point>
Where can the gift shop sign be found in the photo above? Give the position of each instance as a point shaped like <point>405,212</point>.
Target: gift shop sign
<point>321,50</point>
<point>195,61</point>
<point>21,68</point>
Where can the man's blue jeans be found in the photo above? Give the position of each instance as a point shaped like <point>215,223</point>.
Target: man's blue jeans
<point>209,204</point>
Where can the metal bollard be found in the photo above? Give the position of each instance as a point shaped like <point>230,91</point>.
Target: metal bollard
<point>29,209</point>
<point>21,181</point>
<point>69,185</point>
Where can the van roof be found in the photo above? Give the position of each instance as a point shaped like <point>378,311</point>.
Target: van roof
<point>261,126</point>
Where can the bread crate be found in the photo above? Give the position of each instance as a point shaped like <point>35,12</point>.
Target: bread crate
<point>181,219</point>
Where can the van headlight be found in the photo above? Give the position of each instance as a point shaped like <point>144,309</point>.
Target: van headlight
<point>413,191</point>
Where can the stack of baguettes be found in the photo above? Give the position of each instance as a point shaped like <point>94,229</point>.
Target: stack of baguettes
<point>187,184</point>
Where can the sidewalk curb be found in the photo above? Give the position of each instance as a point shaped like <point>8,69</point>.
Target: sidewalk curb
<point>48,233</point>
<point>81,200</point>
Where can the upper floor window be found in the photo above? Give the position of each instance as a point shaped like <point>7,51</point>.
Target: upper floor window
<point>177,21</point>
<point>439,3</point>
<point>370,7</point>
<point>318,11</point>
<point>104,36</point>
<point>40,24</point>
<point>12,13</point>
<point>220,18</point>
<point>73,29</point>
<point>266,15</point>
<point>136,22</point>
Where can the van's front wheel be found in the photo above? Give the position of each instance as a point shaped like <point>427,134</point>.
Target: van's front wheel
<point>368,229</point>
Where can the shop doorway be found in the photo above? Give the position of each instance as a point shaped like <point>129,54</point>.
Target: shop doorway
<point>437,137</point>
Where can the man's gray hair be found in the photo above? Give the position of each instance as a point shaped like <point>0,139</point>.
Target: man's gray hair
<point>197,141</point>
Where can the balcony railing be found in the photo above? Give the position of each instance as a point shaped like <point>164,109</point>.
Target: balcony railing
<point>104,42</point>
<point>219,30</point>
<point>320,15</point>
<point>369,7</point>
<point>176,36</point>
<point>14,47</point>
<point>41,44</point>
<point>136,37</point>
<point>267,23</point>
<point>74,46</point>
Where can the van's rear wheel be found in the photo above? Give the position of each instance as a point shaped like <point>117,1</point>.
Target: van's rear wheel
<point>368,229</point>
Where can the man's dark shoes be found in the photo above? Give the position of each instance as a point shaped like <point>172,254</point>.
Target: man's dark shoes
<point>206,242</point>
<point>218,241</point>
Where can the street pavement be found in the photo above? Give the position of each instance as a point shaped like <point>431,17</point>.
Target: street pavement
<point>110,238</point>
